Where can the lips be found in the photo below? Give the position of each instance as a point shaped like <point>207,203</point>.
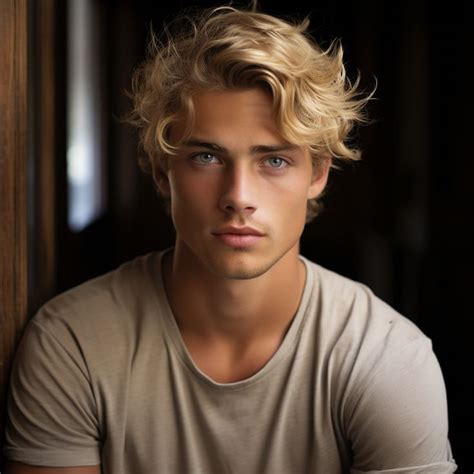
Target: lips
<point>239,237</point>
<point>239,231</point>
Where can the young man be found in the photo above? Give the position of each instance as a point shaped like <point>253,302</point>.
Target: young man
<point>231,353</point>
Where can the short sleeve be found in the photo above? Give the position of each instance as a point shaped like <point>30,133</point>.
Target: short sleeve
<point>51,412</point>
<point>397,418</point>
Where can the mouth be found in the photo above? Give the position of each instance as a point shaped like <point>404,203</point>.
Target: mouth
<point>239,237</point>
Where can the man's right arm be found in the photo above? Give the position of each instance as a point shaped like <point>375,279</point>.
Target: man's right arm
<point>52,413</point>
<point>19,468</point>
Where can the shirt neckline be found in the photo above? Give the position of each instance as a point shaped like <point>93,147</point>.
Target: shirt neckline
<point>177,345</point>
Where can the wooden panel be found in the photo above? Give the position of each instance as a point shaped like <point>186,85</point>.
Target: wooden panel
<point>42,176</point>
<point>13,181</point>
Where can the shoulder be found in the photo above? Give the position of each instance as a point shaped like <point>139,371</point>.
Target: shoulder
<point>368,345</point>
<point>99,322</point>
<point>382,370</point>
<point>110,299</point>
<point>72,363</point>
<point>353,317</point>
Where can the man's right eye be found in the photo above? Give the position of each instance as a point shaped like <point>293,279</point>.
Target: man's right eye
<point>204,158</point>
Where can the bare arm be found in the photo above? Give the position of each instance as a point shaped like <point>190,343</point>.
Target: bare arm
<point>19,468</point>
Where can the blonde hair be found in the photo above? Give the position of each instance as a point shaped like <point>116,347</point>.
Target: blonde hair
<point>226,48</point>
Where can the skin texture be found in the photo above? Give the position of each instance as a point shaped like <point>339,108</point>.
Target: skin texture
<point>239,301</point>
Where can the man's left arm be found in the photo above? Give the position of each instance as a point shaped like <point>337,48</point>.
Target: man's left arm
<point>397,419</point>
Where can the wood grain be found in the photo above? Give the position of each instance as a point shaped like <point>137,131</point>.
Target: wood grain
<point>13,182</point>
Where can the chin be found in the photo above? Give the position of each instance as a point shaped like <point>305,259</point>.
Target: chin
<point>243,274</point>
<point>240,266</point>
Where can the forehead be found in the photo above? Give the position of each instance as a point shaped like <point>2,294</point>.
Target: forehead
<point>232,115</point>
<point>230,104</point>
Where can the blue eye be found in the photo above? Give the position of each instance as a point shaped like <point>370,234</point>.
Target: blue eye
<point>277,162</point>
<point>203,158</point>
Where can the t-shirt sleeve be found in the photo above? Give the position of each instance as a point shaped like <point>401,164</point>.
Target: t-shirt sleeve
<point>51,414</point>
<point>397,414</point>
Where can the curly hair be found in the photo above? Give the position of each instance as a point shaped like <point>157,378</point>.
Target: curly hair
<point>315,104</point>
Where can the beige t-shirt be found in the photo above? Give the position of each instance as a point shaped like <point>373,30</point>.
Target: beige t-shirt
<point>103,376</point>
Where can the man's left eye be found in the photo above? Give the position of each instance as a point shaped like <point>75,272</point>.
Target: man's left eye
<point>277,162</point>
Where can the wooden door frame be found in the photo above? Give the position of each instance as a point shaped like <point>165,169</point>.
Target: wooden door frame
<point>13,181</point>
<point>28,167</point>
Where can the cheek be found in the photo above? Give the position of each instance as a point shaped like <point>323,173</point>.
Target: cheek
<point>291,195</point>
<point>189,197</point>
<point>289,206</point>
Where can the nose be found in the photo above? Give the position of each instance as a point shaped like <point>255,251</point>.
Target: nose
<point>239,190</point>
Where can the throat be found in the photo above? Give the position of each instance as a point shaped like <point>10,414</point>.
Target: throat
<point>222,365</point>
<point>232,332</point>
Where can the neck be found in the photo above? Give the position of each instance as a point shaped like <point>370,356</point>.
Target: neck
<point>237,312</point>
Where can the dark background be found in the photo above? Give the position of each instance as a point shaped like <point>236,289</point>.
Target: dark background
<point>398,221</point>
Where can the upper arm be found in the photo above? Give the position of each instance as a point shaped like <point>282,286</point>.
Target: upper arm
<point>52,413</point>
<point>398,415</point>
<point>19,468</point>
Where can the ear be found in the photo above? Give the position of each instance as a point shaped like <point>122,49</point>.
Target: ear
<point>320,177</point>
<point>162,182</point>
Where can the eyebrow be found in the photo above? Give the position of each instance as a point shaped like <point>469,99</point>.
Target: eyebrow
<point>193,142</point>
